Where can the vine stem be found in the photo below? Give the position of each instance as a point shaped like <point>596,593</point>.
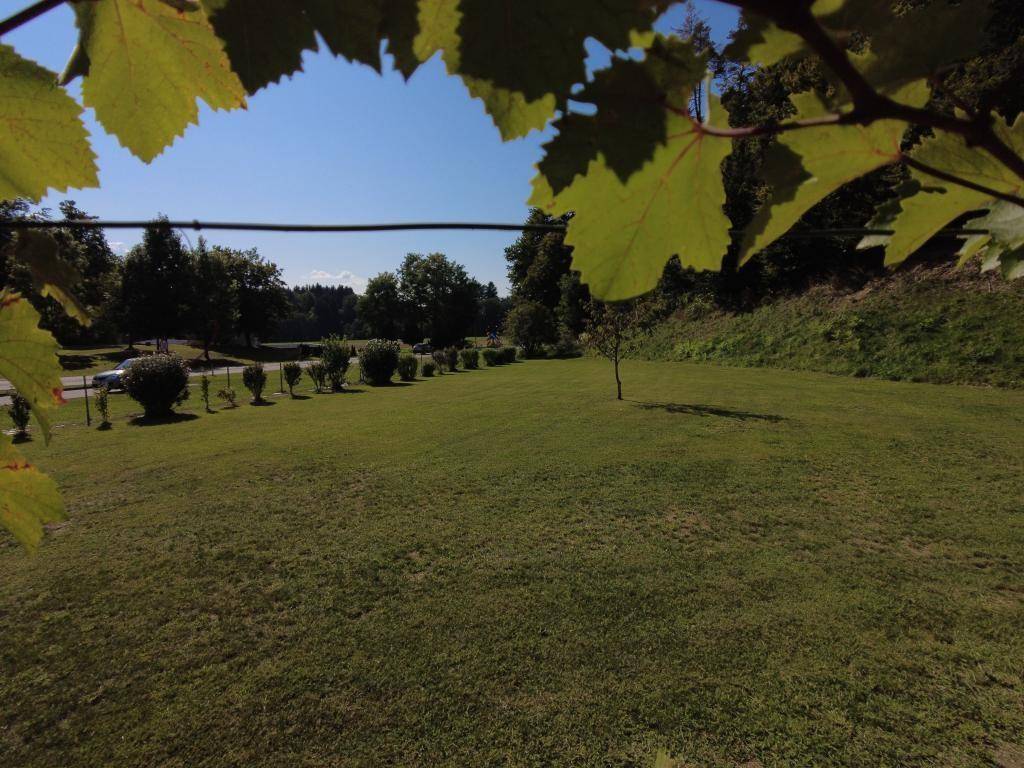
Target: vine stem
<point>25,16</point>
<point>869,105</point>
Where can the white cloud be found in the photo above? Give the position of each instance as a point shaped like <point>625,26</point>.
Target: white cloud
<point>118,247</point>
<point>352,280</point>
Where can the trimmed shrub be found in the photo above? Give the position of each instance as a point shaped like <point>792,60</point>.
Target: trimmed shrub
<point>228,396</point>
<point>470,359</point>
<point>157,383</point>
<point>429,368</point>
<point>378,361</point>
<point>491,357</point>
<point>451,358</point>
<point>292,376</point>
<point>318,375</point>
<point>255,379</point>
<point>335,355</point>
<point>102,399</point>
<point>19,412</point>
<point>407,366</point>
<point>204,391</point>
<point>440,359</point>
<point>507,355</point>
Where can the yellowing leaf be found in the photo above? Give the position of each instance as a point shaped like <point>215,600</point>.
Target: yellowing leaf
<point>28,498</point>
<point>43,143</point>
<point>623,233</point>
<point>51,275</point>
<point>28,357</point>
<point>147,66</point>
<point>806,166</point>
<point>511,111</point>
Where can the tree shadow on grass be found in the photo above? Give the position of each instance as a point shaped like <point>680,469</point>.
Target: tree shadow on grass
<point>174,418</point>
<point>262,403</point>
<point>391,384</point>
<point>689,409</point>
<point>300,397</point>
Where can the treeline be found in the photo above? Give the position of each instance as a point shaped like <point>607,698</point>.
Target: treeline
<point>164,288</point>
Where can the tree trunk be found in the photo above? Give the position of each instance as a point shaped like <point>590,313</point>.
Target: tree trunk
<point>618,381</point>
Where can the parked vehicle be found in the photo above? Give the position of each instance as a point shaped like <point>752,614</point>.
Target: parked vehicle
<point>422,348</point>
<point>112,379</point>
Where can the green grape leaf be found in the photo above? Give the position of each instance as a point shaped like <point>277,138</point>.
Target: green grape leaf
<point>806,166</point>
<point>44,143</point>
<point>902,46</point>
<point>630,120</point>
<point>1004,246</point>
<point>265,39</point>
<point>145,64</point>
<point>28,357</point>
<point>536,47</point>
<point>51,275</point>
<point>512,113</point>
<point>28,498</point>
<point>937,203</point>
<point>973,245</point>
<point>623,233</point>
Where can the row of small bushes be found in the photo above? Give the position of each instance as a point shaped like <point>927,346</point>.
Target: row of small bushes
<point>160,382</point>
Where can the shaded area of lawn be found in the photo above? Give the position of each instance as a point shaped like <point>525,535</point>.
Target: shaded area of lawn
<point>511,567</point>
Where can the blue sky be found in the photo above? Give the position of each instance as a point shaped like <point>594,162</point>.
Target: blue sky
<point>337,143</point>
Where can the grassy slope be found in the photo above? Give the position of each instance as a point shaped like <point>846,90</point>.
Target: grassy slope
<point>934,330</point>
<point>510,567</point>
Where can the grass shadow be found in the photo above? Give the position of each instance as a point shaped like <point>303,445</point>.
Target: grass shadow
<point>106,426</point>
<point>301,397</point>
<point>174,418</point>
<point>691,409</point>
<point>261,403</point>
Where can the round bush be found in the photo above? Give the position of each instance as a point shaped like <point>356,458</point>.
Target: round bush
<point>451,358</point>
<point>157,383</point>
<point>470,359</point>
<point>429,369</point>
<point>491,357</point>
<point>378,361</point>
<point>440,359</point>
<point>255,380</point>
<point>335,354</point>
<point>407,365</point>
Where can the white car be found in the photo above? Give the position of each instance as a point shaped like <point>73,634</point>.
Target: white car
<point>112,379</point>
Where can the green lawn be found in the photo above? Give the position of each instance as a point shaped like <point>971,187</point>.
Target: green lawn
<point>508,567</point>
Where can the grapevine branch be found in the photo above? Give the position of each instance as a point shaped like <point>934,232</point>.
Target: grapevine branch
<point>26,15</point>
<point>869,105</point>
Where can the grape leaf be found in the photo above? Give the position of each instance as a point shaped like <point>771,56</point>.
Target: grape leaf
<point>623,233</point>
<point>511,111</point>
<point>44,143</point>
<point>902,46</point>
<point>51,275</point>
<point>938,202</point>
<point>28,357</point>
<point>265,39</point>
<point>535,47</point>
<point>28,498</point>
<point>630,119</point>
<point>806,166</point>
<point>145,65</point>
<point>1004,244</point>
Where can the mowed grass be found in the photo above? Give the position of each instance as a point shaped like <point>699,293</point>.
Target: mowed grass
<point>508,567</point>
